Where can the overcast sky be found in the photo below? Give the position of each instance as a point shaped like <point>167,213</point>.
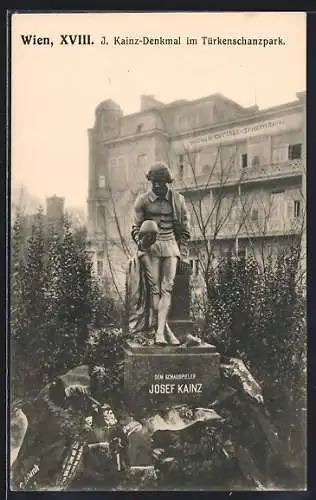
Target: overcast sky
<point>56,89</point>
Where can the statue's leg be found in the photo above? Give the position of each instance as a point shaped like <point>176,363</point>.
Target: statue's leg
<point>168,273</point>
<point>151,266</point>
<point>170,336</point>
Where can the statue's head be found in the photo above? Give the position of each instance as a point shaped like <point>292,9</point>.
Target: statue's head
<point>159,175</point>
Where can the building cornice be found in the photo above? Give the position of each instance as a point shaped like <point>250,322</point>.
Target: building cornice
<point>133,137</point>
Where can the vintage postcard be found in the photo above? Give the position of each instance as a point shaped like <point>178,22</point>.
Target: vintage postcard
<point>158,251</point>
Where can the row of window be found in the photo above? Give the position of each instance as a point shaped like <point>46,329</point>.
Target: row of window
<point>240,253</point>
<point>194,263</point>
<point>294,152</point>
<point>118,165</point>
<point>278,207</point>
<point>295,213</point>
<point>120,161</point>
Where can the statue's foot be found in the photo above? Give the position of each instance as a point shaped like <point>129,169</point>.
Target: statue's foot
<point>172,339</point>
<point>192,340</point>
<point>160,339</point>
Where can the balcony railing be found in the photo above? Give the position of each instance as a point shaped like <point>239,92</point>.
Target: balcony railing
<point>236,176</point>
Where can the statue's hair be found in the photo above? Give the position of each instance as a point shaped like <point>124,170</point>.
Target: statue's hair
<point>161,170</point>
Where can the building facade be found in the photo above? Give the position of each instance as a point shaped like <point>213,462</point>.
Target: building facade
<point>242,171</point>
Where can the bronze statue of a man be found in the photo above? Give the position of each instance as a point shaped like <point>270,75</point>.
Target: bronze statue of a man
<point>165,250</point>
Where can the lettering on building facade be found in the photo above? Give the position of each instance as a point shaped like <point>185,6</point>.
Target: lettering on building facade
<point>233,134</point>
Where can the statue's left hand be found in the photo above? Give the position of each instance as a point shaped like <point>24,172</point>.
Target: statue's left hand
<point>146,241</point>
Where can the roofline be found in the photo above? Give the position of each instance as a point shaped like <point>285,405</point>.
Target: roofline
<point>288,107</point>
<point>280,107</point>
<point>217,95</point>
<point>142,113</point>
<point>300,95</point>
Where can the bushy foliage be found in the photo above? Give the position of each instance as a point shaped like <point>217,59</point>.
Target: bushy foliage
<point>55,302</point>
<point>252,312</point>
<point>257,313</point>
<point>104,353</point>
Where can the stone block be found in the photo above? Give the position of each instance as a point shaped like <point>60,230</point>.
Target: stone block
<point>170,374</point>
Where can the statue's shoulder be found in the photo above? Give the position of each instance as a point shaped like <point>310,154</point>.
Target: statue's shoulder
<point>142,198</point>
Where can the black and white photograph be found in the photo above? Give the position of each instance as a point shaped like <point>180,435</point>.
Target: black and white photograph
<point>157,321</point>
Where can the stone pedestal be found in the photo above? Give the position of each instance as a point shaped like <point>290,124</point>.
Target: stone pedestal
<point>170,374</point>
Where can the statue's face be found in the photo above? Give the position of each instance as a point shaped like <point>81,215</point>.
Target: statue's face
<point>160,188</point>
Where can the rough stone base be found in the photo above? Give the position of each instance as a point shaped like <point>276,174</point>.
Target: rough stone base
<point>169,374</point>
